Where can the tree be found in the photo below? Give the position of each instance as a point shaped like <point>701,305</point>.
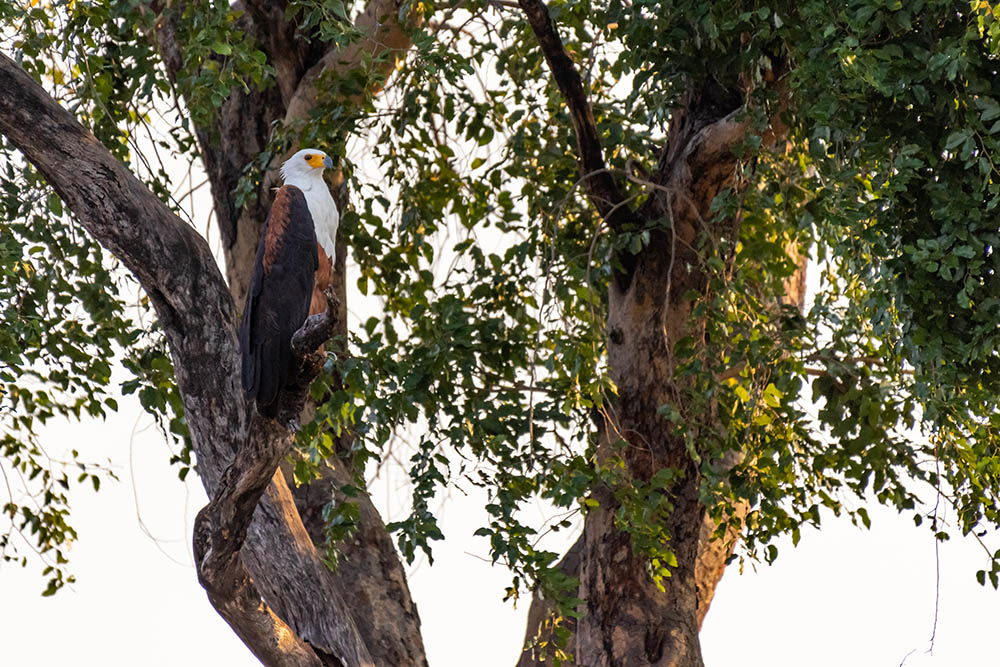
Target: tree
<point>589,229</point>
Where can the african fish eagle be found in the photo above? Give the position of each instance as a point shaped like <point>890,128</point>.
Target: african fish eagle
<point>292,269</point>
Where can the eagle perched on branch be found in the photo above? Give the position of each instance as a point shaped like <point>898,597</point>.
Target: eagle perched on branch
<point>292,269</point>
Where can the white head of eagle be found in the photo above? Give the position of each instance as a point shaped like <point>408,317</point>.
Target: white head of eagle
<point>304,170</point>
<point>292,269</point>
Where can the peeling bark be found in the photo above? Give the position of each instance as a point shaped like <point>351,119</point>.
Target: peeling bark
<point>626,620</point>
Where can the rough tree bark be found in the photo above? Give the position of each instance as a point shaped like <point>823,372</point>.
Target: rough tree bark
<point>370,576</point>
<point>222,526</point>
<point>278,554</point>
<point>626,619</point>
<point>646,316</point>
<point>177,270</point>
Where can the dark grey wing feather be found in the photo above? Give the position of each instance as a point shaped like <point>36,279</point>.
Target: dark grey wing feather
<point>278,298</point>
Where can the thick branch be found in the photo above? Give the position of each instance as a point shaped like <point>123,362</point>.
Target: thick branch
<point>370,578</point>
<point>239,491</point>
<point>173,263</point>
<point>219,533</point>
<point>165,254</point>
<point>598,182</point>
<point>177,270</point>
<point>222,526</point>
<point>314,332</point>
<point>383,41</point>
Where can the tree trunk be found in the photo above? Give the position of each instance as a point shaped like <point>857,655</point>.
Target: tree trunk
<point>177,270</point>
<point>199,322</point>
<point>626,620</point>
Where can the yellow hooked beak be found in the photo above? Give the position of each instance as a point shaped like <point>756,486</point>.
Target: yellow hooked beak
<point>318,160</point>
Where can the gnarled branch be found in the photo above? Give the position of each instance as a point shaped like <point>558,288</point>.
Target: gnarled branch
<point>370,577</point>
<point>177,270</point>
<point>219,533</point>
<point>221,527</point>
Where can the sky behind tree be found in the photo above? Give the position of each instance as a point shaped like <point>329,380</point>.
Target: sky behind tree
<point>844,596</point>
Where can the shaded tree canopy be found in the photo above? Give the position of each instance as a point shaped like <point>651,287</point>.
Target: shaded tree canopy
<point>586,227</point>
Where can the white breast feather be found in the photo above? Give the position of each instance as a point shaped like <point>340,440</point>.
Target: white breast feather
<point>322,209</point>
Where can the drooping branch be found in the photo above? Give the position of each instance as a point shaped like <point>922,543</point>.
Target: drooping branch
<point>598,182</point>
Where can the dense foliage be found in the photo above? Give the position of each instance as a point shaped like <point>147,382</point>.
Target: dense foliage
<point>491,268</point>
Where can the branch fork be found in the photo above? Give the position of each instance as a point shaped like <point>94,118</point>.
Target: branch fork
<point>221,526</point>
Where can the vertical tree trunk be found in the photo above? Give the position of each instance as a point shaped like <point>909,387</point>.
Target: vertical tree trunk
<point>626,619</point>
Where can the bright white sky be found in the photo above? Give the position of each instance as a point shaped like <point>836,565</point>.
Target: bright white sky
<point>845,596</point>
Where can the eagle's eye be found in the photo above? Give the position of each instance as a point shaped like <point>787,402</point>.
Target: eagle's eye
<point>308,157</point>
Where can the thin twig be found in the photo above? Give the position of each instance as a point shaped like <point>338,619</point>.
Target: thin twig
<point>937,547</point>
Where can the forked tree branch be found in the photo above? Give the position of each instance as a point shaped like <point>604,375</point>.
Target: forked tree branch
<point>598,182</point>
<point>221,527</point>
<point>177,270</point>
<point>370,580</point>
<point>220,530</point>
